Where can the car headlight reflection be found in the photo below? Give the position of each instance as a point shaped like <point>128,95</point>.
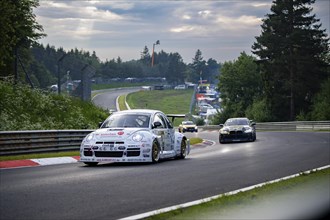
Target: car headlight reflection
<point>137,137</point>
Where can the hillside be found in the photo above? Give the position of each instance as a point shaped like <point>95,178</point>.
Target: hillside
<point>22,108</point>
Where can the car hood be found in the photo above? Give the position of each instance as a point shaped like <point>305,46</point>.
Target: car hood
<point>115,133</point>
<point>236,127</point>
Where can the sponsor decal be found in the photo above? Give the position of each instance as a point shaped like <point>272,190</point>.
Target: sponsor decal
<point>108,134</point>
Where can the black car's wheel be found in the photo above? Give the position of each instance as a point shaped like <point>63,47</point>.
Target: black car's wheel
<point>183,149</point>
<point>155,152</point>
<point>91,163</point>
<point>221,140</point>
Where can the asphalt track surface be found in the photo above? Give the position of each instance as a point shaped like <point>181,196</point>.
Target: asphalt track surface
<point>113,191</point>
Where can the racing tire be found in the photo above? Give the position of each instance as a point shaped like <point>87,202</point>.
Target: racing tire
<point>220,140</point>
<point>91,163</point>
<point>155,152</point>
<point>183,149</point>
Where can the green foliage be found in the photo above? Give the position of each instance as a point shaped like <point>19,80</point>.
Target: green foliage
<point>200,122</point>
<point>19,29</point>
<point>259,111</point>
<point>321,103</point>
<point>240,84</point>
<point>25,109</point>
<point>294,52</point>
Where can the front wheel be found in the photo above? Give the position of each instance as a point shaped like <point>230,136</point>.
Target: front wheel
<point>155,152</point>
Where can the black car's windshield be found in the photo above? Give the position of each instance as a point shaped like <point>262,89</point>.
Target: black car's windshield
<point>231,122</point>
<point>127,121</point>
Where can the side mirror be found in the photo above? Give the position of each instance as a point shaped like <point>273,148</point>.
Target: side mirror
<point>156,124</point>
<point>253,124</point>
<point>100,124</point>
<point>221,125</point>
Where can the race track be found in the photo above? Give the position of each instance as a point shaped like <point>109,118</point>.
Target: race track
<point>112,191</point>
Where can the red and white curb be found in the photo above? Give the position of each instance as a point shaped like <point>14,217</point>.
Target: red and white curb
<point>37,162</point>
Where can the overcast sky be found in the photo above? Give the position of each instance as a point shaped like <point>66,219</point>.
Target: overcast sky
<point>221,29</point>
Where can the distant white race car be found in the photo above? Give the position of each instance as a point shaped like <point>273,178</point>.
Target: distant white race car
<point>134,136</point>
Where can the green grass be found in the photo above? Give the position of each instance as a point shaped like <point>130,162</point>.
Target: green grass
<point>231,204</point>
<point>167,101</point>
<point>121,102</point>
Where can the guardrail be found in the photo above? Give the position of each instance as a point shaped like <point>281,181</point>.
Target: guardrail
<point>27,142</point>
<point>285,126</point>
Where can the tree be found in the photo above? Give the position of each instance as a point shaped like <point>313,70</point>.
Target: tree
<point>19,30</point>
<point>145,56</point>
<point>198,65</point>
<point>293,51</point>
<point>176,69</point>
<point>239,84</point>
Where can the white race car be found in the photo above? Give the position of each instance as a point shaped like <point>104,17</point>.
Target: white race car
<point>134,136</point>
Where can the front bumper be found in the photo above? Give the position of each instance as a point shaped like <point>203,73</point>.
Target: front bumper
<point>115,152</point>
<point>236,136</point>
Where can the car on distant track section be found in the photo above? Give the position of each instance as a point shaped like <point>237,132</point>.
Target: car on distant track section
<point>237,129</point>
<point>139,135</point>
<point>186,126</point>
<point>180,87</point>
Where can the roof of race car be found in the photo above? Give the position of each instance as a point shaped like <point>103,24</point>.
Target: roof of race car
<point>148,111</point>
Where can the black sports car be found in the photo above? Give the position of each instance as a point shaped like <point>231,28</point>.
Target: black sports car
<point>237,129</point>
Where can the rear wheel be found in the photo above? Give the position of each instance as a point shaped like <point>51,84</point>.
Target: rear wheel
<point>155,152</point>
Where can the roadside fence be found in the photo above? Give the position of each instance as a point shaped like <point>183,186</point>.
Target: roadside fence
<point>45,141</point>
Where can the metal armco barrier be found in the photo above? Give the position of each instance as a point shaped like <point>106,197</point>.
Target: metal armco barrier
<point>284,126</point>
<point>27,142</point>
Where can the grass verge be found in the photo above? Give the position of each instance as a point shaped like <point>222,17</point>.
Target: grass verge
<point>281,200</point>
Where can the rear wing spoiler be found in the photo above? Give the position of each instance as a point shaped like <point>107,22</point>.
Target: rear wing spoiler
<point>173,116</point>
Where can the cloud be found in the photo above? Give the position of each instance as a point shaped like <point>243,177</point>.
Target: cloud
<point>220,28</point>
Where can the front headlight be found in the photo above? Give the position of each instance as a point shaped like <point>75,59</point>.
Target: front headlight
<point>247,130</point>
<point>224,131</point>
<point>89,137</point>
<point>137,137</point>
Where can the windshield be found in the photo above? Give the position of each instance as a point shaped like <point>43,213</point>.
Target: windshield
<point>231,122</point>
<point>127,121</point>
<point>187,123</point>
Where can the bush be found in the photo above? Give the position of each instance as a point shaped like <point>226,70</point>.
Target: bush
<point>23,108</point>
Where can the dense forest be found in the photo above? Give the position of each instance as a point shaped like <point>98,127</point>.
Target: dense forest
<point>286,78</point>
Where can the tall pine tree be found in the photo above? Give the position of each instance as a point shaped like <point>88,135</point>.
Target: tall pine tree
<point>293,49</point>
